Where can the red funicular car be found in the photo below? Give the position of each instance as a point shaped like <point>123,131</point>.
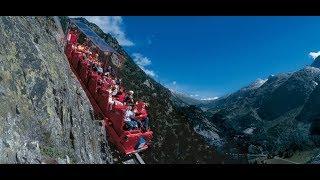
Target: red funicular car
<point>127,142</point>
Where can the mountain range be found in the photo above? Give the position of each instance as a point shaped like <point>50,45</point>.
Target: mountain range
<point>278,116</point>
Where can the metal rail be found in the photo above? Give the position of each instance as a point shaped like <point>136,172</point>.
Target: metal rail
<point>140,160</point>
<point>136,159</point>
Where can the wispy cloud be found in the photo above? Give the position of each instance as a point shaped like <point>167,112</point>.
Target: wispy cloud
<point>314,55</point>
<point>194,95</point>
<point>209,98</point>
<point>142,62</point>
<point>174,82</point>
<point>149,72</point>
<point>112,25</point>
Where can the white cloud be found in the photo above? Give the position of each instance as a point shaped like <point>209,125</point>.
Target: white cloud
<point>112,25</point>
<point>210,98</point>
<point>142,62</point>
<point>314,55</point>
<point>149,72</point>
<point>194,95</point>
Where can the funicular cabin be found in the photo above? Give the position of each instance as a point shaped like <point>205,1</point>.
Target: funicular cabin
<point>89,57</point>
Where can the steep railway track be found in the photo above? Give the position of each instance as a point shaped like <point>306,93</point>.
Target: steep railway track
<point>131,159</point>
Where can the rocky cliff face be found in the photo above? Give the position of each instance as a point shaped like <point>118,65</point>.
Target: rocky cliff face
<point>45,116</point>
<point>174,141</point>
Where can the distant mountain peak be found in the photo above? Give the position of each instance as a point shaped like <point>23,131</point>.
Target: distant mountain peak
<point>185,98</point>
<point>314,55</point>
<point>256,84</point>
<point>316,62</point>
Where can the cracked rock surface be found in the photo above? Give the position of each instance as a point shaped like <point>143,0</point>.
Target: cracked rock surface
<point>45,116</point>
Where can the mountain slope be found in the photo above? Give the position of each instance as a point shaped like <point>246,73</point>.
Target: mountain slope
<point>291,94</point>
<point>311,110</point>
<point>174,139</point>
<point>45,115</point>
<point>275,116</point>
<point>181,99</point>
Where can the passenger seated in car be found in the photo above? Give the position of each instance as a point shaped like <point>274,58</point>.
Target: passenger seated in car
<point>129,120</point>
<point>121,95</point>
<point>93,66</point>
<point>99,70</point>
<point>80,48</point>
<point>74,46</point>
<point>118,81</point>
<point>103,79</point>
<point>86,41</point>
<point>113,72</point>
<point>110,100</point>
<point>94,58</point>
<point>129,99</point>
<point>109,79</point>
<point>107,69</point>
<point>113,102</point>
<point>142,116</point>
<point>115,90</point>
<point>87,51</point>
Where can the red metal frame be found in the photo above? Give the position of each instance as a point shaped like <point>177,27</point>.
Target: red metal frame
<point>125,141</point>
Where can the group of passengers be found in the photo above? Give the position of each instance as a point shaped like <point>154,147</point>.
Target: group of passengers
<point>136,116</point>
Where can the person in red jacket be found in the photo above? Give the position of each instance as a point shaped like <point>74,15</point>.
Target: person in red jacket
<point>121,95</point>
<point>142,116</point>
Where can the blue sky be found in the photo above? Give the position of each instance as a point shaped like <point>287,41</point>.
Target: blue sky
<point>211,56</point>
